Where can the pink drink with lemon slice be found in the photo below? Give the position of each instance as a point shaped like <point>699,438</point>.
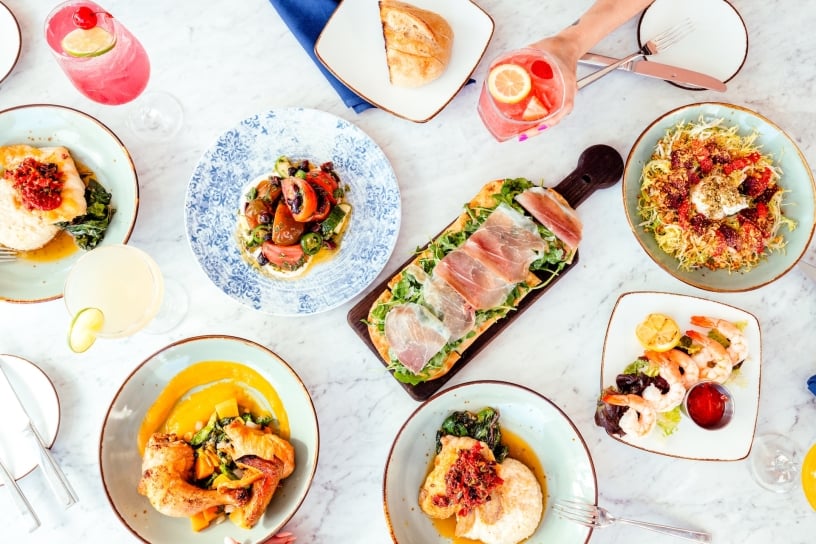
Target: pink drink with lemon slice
<point>107,64</point>
<point>523,89</point>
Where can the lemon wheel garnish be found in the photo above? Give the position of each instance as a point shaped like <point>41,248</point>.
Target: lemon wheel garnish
<point>84,328</point>
<point>809,476</point>
<point>90,42</point>
<point>509,83</point>
<point>658,332</point>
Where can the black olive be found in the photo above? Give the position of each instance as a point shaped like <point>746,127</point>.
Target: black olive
<point>304,165</point>
<point>293,170</point>
<point>265,218</point>
<point>262,260</point>
<point>327,166</point>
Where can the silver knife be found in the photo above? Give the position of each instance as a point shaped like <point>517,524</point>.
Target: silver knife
<point>19,499</point>
<point>680,76</point>
<point>14,413</point>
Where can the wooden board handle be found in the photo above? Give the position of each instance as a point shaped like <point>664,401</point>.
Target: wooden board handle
<point>599,167</point>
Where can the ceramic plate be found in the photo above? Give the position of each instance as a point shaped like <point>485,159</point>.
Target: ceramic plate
<point>93,144</point>
<point>351,47</point>
<point>797,180</point>
<point>249,150</point>
<point>39,398</point>
<point>717,27</point>
<point>120,461</point>
<point>10,41</point>
<point>689,441</point>
<point>551,435</point>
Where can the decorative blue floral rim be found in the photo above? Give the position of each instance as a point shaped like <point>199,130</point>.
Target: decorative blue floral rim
<point>249,150</point>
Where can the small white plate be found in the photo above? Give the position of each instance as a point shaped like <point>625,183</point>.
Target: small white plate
<point>120,461</point>
<point>548,431</point>
<point>689,441</point>
<point>10,41</point>
<point>96,146</point>
<point>39,398</point>
<point>717,46</point>
<point>351,47</point>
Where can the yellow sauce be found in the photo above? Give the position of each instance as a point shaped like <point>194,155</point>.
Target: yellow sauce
<point>519,450</point>
<point>190,398</point>
<point>60,246</point>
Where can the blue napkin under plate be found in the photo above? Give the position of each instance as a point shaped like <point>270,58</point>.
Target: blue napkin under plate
<point>306,19</point>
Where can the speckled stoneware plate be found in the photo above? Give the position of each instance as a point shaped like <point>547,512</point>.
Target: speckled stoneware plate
<point>799,202</point>
<point>10,41</point>
<point>249,150</point>
<point>552,437</point>
<point>621,347</point>
<point>93,144</point>
<point>717,27</point>
<point>120,462</point>
<point>39,398</point>
<point>351,46</point>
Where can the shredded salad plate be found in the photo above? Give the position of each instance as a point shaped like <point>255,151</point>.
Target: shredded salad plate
<point>249,150</point>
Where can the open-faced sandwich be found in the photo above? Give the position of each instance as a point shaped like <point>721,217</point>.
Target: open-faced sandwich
<point>513,237</point>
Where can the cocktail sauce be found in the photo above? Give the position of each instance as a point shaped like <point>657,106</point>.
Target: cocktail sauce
<point>706,404</point>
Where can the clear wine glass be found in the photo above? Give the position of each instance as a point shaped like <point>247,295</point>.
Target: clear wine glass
<point>774,462</point>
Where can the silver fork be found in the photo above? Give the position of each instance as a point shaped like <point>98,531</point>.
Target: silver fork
<point>659,43</point>
<point>594,516</point>
<point>7,254</point>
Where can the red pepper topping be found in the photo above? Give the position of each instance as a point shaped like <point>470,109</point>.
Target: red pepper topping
<point>40,184</point>
<point>469,481</point>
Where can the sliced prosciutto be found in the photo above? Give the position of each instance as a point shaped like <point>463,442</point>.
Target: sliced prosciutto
<point>477,283</point>
<point>554,213</point>
<point>456,313</point>
<point>507,242</point>
<point>414,335</point>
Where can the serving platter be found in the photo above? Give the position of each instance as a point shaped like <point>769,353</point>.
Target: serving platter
<point>249,150</point>
<point>598,167</point>
<point>96,146</point>
<point>731,443</point>
<point>551,435</point>
<point>120,460</point>
<point>352,48</point>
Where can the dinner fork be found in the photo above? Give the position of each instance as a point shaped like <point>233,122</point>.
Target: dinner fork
<point>591,515</point>
<point>659,43</point>
<point>7,254</point>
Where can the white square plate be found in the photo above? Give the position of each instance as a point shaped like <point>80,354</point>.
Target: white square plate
<point>621,347</point>
<point>351,47</point>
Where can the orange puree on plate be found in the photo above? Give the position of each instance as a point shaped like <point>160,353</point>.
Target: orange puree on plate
<point>178,409</point>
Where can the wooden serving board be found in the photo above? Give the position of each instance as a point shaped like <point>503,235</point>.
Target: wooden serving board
<point>599,167</point>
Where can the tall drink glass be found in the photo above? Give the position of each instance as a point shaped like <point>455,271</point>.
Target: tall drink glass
<point>114,73</point>
<point>524,88</point>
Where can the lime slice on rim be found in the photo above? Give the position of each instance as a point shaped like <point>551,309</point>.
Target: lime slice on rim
<point>90,42</point>
<point>84,327</point>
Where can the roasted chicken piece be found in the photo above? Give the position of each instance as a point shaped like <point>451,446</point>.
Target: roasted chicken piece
<point>167,470</point>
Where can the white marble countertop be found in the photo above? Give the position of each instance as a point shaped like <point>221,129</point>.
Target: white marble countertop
<point>223,60</point>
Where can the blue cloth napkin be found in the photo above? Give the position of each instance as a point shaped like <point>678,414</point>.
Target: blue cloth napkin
<point>306,19</point>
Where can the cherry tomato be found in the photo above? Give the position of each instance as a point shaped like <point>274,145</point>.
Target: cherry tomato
<point>300,197</point>
<point>324,180</point>
<point>258,212</point>
<point>324,204</point>
<point>283,257</point>
<point>285,230</point>
<point>269,189</point>
<point>84,17</point>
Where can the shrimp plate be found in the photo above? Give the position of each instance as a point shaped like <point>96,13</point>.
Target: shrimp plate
<point>621,347</point>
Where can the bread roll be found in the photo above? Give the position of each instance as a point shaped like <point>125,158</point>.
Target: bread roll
<point>418,43</point>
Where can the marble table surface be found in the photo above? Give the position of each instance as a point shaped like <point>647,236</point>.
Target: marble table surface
<point>224,62</point>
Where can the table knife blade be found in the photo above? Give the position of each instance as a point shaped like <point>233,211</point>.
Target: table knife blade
<point>673,74</point>
<point>16,414</point>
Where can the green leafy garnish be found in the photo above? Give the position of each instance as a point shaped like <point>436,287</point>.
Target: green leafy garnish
<point>89,229</point>
<point>482,425</point>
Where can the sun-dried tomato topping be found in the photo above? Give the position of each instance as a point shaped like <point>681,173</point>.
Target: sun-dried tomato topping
<point>40,184</point>
<point>469,481</point>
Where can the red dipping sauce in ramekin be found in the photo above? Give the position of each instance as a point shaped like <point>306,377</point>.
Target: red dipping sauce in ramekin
<point>709,405</point>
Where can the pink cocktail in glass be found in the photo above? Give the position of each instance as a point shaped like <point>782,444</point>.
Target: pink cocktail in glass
<point>115,76</point>
<point>541,96</point>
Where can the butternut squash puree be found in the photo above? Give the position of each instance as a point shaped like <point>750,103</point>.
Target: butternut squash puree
<point>178,410</point>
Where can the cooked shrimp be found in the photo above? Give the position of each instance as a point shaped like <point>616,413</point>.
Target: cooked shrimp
<point>676,366</point>
<point>639,419</point>
<point>167,469</point>
<point>738,346</point>
<point>663,402</point>
<point>712,359</point>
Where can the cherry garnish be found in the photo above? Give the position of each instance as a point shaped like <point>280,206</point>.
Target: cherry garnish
<point>84,17</point>
<point>542,69</point>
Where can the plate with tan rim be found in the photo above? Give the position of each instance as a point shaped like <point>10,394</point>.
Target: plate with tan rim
<point>10,41</point>
<point>39,277</point>
<point>248,365</point>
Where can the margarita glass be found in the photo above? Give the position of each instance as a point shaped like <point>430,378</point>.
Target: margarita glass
<point>523,89</point>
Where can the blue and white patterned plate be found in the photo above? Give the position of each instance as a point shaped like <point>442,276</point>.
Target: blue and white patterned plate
<point>248,151</point>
